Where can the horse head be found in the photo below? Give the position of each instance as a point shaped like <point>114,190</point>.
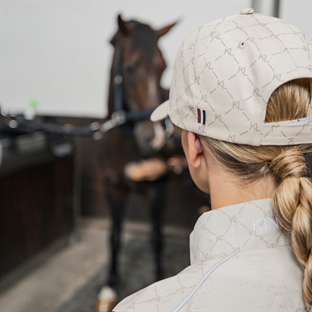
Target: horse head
<point>139,64</point>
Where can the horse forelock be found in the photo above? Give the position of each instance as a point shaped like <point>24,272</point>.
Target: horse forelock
<point>144,41</point>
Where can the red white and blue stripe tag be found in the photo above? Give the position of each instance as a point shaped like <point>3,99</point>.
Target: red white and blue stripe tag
<point>201,116</point>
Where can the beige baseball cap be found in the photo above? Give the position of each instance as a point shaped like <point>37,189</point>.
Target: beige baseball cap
<point>225,72</point>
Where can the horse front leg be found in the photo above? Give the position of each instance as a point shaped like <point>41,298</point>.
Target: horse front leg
<point>107,297</point>
<point>117,200</point>
<point>157,200</point>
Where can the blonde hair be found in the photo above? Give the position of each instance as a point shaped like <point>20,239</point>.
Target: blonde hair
<point>292,201</point>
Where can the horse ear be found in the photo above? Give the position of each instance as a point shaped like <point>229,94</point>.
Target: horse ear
<point>164,30</point>
<point>123,26</point>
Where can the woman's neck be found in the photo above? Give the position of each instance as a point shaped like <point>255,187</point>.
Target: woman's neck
<point>224,192</point>
<point>227,189</point>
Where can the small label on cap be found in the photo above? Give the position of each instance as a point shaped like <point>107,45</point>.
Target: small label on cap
<point>247,11</point>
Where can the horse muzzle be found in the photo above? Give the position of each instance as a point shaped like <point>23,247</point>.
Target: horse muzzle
<point>150,137</point>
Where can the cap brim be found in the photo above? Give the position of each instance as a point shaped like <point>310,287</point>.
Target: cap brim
<point>160,112</point>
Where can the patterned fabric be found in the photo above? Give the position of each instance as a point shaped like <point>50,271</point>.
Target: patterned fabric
<point>229,68</point>
<point>263,276</point>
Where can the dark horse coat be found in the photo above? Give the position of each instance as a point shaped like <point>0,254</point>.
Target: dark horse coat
<point>135,90</point>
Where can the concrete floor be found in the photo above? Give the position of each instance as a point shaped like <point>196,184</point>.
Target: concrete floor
<point>59,274</point>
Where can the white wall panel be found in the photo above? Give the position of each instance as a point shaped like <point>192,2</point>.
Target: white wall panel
<point>57,53</point>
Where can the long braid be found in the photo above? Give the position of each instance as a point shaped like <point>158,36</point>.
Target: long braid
<point>293,199</point>
<point>292,204</point>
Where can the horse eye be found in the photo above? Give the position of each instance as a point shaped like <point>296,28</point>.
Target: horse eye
<point>130,69</point>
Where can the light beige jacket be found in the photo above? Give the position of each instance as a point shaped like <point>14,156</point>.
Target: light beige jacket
<point>241,260</point>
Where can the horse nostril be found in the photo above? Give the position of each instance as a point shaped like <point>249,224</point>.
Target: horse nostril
<point>131,69</point>
<point>148,140</point>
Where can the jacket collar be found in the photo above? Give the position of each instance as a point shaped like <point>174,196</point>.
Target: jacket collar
<point>240,227</point>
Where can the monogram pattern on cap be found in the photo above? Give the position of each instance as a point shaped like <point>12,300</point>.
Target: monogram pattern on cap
<point>224,69</point>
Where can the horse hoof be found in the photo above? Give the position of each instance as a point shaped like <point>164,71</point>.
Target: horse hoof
<point>107,300</point>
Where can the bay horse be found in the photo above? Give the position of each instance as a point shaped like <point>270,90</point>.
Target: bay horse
<point>134,91</point>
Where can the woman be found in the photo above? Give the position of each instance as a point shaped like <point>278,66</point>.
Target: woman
<point>241,95</point>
